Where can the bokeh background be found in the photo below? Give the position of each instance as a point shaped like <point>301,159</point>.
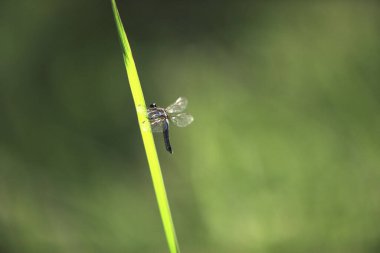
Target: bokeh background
<point>283,155</point>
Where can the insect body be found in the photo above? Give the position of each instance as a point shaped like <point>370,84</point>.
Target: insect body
<point>159,118</point>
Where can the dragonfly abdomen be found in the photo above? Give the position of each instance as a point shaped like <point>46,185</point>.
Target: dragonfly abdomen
<point>166,137</point>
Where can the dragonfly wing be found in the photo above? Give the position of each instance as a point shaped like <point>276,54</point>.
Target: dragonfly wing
<point>178,106</point>
<point>182,119</point>
<point>157,126</point>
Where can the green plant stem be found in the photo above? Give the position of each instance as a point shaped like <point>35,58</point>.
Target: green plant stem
<point>150,148</point>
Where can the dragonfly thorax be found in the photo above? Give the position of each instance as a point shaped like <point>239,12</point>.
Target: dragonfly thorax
<point>157,113</point>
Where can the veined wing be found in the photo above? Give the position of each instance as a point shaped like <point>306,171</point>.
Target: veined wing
<point>178,106</point>
<point>182,119</point>
<point>157,126</point>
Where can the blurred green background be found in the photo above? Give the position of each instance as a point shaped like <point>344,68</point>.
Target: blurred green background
<point>283,155</point>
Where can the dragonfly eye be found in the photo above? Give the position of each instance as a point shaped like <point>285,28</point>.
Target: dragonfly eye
<point>153,105</point>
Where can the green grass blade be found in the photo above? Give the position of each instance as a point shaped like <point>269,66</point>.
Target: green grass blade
<point>150,148</point>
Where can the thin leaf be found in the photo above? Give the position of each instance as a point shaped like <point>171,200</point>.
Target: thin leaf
<point>150,148</point>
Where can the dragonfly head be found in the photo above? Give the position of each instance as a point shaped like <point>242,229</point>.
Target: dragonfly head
<point>153,105</point>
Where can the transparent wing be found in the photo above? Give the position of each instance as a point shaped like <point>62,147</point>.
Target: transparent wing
<point>156,126</point>
<point>182,119</point>
<point>178,106</point>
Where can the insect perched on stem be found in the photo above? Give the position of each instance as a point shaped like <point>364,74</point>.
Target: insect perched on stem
<point>159,118</point>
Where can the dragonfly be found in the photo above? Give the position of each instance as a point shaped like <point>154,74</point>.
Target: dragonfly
<point>159,118</point>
